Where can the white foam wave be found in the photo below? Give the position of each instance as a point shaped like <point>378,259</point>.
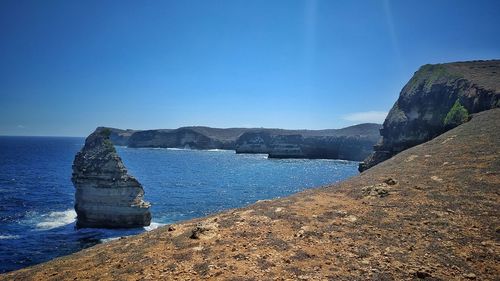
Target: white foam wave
<point>220,150</point>
<point>153,226</point>
<point>105,240</point>
<point>5,237</point>
<point>56,219</point>
<point>117,234</point>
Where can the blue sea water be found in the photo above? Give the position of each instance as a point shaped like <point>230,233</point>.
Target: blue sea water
<point>37,220</point>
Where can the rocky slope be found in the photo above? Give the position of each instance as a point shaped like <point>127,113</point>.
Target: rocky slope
<point>106,196</point>
<point>428,213</point>
<point>351,143</point>
<point>425,101</point>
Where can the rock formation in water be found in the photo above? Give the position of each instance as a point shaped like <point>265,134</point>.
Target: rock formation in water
<point>428,98</point>
<point>350,143</point>
<point>106,196</point>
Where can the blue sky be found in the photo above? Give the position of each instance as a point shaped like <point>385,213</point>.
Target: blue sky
<point>67,67</point>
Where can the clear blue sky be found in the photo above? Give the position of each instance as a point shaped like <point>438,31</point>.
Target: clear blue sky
<point>67,67</point>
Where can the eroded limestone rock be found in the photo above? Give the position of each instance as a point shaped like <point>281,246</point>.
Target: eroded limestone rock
<point>106,195</point>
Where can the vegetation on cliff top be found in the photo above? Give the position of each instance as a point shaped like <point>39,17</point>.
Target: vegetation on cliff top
<point>457,115</point>
<point>105,133</point>
<point>428,74</point>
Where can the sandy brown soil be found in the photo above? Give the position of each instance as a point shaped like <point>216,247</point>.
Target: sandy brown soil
<point>431,212</point>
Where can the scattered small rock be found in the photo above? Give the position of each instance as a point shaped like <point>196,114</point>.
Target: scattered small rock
<point>422,274</point>
<point>391,181</point>
<point>435,178</point>
<point>171,228</point>
<point>470,275</point>
<point>340,213</point>
<point>448,139</point>
<point>411,158</point>
<point>351,218</point>
<point>378,190</point>
<point>204,230</point>
<point>198,248</point>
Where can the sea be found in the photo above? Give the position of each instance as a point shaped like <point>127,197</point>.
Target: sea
<point>37,219</point>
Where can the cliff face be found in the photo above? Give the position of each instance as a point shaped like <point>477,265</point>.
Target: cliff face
<point>352,143</point>
<point>179,138</point>
<point>425,101</point>
<point>106,196</point>
<point>254,142</point>
<point>118,136</point>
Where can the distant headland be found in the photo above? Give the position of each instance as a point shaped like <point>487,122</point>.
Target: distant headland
<point>350,143</point>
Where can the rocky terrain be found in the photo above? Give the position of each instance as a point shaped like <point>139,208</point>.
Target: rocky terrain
<point>426,100</point>
<point>428,213</point>
<point>351,143</point>
<point>106,196</point>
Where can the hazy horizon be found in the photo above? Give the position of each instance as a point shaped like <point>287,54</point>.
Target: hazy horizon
<point>145,129</point>
<point>69,67</point>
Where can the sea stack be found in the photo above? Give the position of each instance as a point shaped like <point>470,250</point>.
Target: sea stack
<point>106,195</point>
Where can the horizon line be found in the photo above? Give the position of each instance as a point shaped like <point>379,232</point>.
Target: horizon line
<point>226,128</point>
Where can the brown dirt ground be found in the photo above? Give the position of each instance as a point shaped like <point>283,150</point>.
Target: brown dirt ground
<point>440,221</point>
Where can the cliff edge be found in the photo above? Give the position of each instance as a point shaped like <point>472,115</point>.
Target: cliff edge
<point>425,102</point>
<point>106,196</point>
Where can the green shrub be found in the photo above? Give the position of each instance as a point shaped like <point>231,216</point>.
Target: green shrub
<point>457,115</point>
<point>106,132</point>
<point>109,145</point>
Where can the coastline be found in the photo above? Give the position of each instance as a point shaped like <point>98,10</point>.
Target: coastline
<point>437,220</point>
<point>217,181</point>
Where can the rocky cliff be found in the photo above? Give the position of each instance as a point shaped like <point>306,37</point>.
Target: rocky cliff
<point>427,100</point>
<point>350,143</point>
<point>178,138</point>
<point>120,137</point>
<point>106,196</point>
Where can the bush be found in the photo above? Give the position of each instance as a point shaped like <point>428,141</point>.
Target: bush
<point>105,132</point>
<point>457,115</point>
